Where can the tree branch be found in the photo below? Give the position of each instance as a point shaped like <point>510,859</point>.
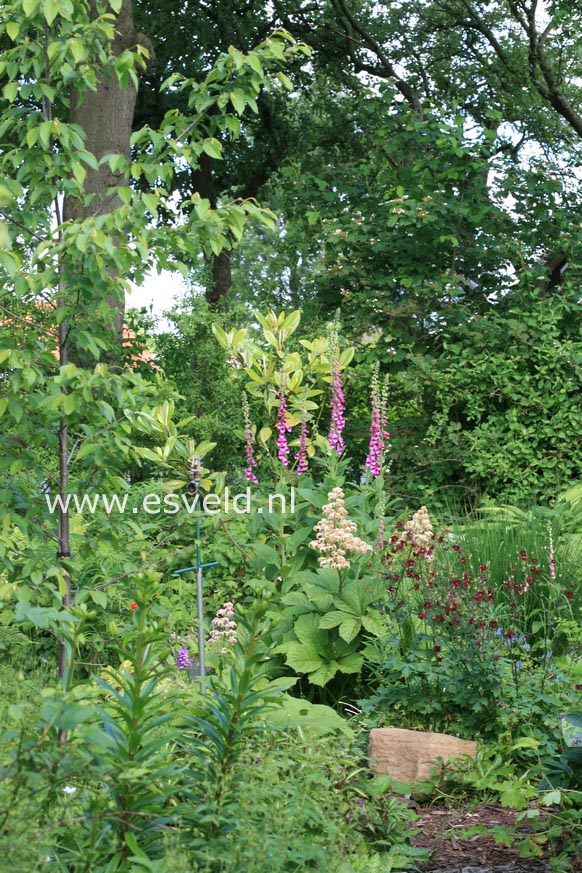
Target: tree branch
<point>372,44</point>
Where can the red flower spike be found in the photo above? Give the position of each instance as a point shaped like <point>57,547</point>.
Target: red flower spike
<point>133,605</point>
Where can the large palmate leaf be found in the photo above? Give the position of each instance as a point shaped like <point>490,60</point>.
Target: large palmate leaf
<point>316,652</point>
<point>352,613</point>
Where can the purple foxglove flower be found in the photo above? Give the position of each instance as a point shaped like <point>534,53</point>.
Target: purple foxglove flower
<point>282,429</point>
<point>376,446</point>
<point>338,421</point>
<point>301,455</point>
<point>183,659</point>
<point>250,475</point>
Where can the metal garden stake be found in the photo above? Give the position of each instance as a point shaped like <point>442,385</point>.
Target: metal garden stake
<point>194,489</point>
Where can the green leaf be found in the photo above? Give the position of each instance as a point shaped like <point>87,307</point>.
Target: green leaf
<point>298,537</point>
<point>220,335</point>
<point>266,554</point>
<point>349,629</point>
<point>351,663</point>
<point>324,673</point>
<point>264,435</point>
<point>10,91</point>
<point>552,798</point>
<point>70,403</point>
<point>212,148</point>
<point>285,81</point>
<point>346,357</point>
<point>302,657</point>
<point>77,50</point>
<point>30,7</point>
<point>307,630</point>
<point>526,743</point>
<point>332,619</point>
<point>372,624</point>
<point>291,322</point>
<point>99,597</point>
<point>16,408</point>
<point>151,202</point>
<point>50,10</point>
<point>271,338</point>
<point>13,29</point>
<point>318,719</point>
<point>238,101</point>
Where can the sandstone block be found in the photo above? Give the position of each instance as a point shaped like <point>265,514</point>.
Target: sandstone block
<point>404,755</point>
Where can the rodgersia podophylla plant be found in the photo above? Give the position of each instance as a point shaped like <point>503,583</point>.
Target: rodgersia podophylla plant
<point>419,528</point>
<point>336,534</point>
<point>223,628</point>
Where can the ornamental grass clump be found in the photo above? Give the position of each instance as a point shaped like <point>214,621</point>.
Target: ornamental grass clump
<point>336,534</point>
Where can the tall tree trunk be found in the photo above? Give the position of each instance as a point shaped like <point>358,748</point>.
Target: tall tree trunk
<point>106,116</point>
<point>220,278</point>
<point>219,273</point>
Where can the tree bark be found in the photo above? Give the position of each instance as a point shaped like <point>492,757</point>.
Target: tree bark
<point>106,116</point>
<point>220,278</point>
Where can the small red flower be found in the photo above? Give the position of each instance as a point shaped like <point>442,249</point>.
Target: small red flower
<point>133,605</point>
<point>437,648</point>
<point>570,595</point>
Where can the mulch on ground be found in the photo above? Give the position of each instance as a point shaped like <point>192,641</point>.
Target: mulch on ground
<point>439,830</point>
